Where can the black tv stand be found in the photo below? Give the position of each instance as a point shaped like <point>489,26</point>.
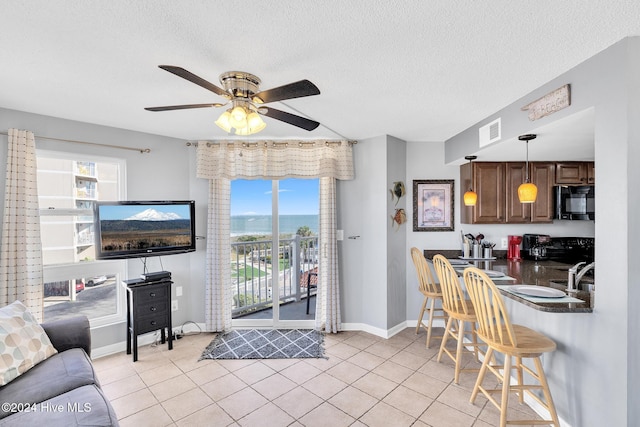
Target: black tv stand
<point>148,309</point>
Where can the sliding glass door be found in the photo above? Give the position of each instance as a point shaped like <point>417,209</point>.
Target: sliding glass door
<point>274,252</point>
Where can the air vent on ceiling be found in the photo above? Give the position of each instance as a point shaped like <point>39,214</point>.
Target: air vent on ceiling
<point>490,133</point>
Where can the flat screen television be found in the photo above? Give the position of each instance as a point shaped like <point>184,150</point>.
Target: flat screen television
<point>130,229</point>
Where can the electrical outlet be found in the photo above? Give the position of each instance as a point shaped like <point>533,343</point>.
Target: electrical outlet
<point>174,305</point>
<point>504,244</point>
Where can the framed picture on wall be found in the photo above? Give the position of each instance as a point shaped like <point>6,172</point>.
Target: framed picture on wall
<point>433,205</point>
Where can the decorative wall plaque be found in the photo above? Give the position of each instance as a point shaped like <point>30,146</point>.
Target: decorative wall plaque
<point>549,104</point>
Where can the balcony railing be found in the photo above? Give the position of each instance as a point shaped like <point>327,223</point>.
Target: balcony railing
<point>252,272</point>
<point>84,193</point>
<point>86,169</point>
<point>85,239</point>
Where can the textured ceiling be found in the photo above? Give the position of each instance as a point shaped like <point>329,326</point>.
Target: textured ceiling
<point>418,70</point>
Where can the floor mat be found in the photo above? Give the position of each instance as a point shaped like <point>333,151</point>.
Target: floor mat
<point>266,344</point>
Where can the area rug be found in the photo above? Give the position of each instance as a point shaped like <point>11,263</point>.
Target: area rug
<point>266,344</point>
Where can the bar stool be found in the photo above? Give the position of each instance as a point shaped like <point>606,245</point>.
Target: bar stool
<point>430,290</point>
<point>460,310</point>
<point>495,328</point>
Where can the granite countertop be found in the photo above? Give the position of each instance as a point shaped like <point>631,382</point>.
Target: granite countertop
<point>539,273</point>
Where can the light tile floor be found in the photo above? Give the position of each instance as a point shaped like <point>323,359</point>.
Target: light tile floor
<point>365,381</point>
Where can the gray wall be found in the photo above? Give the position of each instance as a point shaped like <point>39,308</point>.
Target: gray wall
<point>594,372</point>
<point>396,236</point>
<point>373,265</point>
<point>362,212</point>
<point>167,172</point>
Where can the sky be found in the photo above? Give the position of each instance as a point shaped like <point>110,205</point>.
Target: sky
<point>295,197</point>
<point>126,211</point>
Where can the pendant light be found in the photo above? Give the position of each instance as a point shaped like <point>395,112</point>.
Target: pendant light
<point>470,197</point>
<point>527,191</point>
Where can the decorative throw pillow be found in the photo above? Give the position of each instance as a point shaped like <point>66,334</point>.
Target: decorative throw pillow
<point>23,342</point>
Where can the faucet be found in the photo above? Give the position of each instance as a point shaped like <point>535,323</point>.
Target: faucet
<point>575,276</point>
<point>582,272</point>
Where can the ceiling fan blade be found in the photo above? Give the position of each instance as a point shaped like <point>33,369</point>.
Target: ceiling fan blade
<point>187,75</point>
<point>289,91</point>
<point>182,107</point>
<point>292,119</point>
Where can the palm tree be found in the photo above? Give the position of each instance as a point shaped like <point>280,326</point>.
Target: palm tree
<point>304,231</point>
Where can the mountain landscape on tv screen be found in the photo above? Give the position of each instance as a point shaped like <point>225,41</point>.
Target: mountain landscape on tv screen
<point>145,230</point>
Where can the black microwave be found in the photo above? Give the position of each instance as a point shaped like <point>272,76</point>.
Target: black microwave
<point>575,202</point>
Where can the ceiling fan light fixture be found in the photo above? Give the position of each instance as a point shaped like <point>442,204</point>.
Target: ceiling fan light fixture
<point>238,117</point>
<point>223,121</point>
<point>255,122</point>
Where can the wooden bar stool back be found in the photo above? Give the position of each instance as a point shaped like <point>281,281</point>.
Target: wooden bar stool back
<point>460,312</point>
<point>495,328</point>
<point>431,291</point>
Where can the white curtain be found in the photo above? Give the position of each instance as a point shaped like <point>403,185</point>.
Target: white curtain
<point>21,249</point>
<point>218,281</point>
<point>224,161</point>
<point>328,293</point>
<point>275,160</point>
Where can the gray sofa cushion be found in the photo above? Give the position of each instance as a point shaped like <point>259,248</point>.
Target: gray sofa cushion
<point>58,374</point>
<point>74,332</point>
<point>84,406</point>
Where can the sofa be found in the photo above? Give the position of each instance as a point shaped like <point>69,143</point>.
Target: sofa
<point>61,390</point>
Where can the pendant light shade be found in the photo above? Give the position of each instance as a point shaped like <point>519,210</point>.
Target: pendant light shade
<point>527,191</point>
<point>470,197</point>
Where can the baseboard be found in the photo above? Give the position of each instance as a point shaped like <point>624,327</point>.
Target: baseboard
<point>382,333</point>
<point>145,339</point>
<point>437,323</point>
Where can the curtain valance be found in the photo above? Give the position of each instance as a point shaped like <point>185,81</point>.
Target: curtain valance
<point>275,159</point>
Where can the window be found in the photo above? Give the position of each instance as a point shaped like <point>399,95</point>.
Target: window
<point>74,282</point>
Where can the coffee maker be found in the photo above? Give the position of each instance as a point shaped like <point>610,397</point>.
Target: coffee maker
<point>513,250</point>
<point>534,246</point>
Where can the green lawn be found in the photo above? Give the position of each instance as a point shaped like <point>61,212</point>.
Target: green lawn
<point>247,272</point>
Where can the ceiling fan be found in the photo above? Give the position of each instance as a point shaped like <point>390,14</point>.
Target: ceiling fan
<point>242,90</point>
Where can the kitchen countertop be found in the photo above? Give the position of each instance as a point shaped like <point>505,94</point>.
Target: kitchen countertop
<point>538,273</point>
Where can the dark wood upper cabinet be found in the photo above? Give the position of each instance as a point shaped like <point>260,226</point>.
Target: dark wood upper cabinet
<point>496,184</point>
<point>575,173</point>
<point>516,212</point>
<point>543,176</point>
<point>486,179</point>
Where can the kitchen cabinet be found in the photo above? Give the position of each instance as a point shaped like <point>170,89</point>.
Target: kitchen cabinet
<point>515,211</point>
<point>577,173</point>
<point>496,184</point>
<point>543,175</point>
<point>487,180</point>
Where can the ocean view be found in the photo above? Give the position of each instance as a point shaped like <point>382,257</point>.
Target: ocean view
<point>261,224</point>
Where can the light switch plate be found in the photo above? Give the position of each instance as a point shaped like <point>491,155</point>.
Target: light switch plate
<point>178,291</point>
<point>339,234</point>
